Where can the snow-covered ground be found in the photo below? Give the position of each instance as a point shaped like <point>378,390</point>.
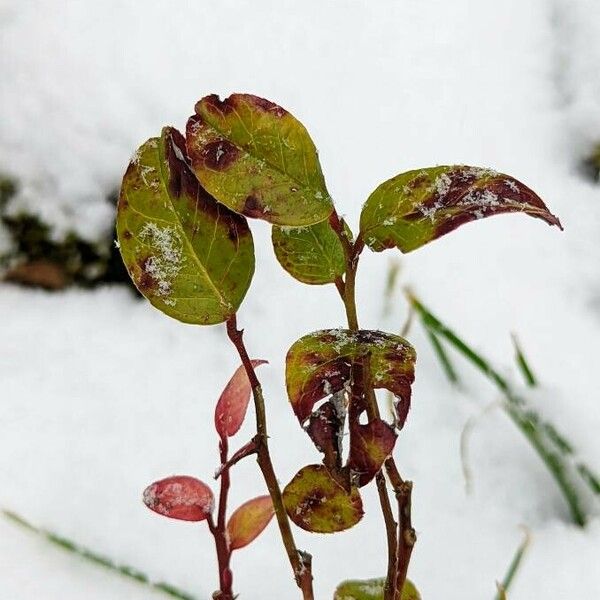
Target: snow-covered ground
<point>101,394</point>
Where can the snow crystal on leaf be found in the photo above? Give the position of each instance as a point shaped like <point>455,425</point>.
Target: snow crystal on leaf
<point>165,264</point>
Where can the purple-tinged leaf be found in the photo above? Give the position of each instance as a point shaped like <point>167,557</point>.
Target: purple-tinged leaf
<point>316,502</point>
<point>233,402</point>
<point>248,521</point>
<point>180,497</point>
<point>256,158</point>
<point>320,364</point>
<point>326,429</point>
<point>190,256</point>
<point>419,206</point>
<point>370,445</point>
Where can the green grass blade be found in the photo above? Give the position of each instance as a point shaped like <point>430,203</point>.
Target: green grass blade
<point>523,364</point>
<point>98,559</point>
<point>513,568</point>
<point>443,357</point>
<point>553,449</point>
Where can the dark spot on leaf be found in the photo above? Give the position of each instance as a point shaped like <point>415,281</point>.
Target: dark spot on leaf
<point>252,207</point>
<point>145,281</point>
<point>219,155</point>
<point>127,234</point>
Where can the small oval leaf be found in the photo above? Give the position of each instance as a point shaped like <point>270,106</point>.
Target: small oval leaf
<point>312,255</point>
<point>190,256</point>
<point>233,402</point>
<point>316,502</point>
<point>372,589</point>
<point>370,445</point>
<point>257,159</point>
<point>180,497</point>
<point>419,206</point>
<point>249,521</point>
<point>320,364</point>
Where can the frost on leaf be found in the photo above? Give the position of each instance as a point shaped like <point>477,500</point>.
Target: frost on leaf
<point>248,521</point>
<point>316,502</point>
<point>321,364</point>
<point>417,207</point>
<point>257,159</point>
<point>180,497</point>
<point>233,402</point>
<point>312,255</point>
<point>190,256</point>
<point>372,589</point>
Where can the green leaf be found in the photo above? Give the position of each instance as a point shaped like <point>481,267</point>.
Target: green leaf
<point>257,159</point>
<point>417,207</point>
<point>371,589</point>
<point>320,364</point>
<point>313,254</point>
<point>190,256</point>
<point>316,502</point>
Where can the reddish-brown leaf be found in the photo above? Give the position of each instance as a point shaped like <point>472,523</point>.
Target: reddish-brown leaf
<point>180,497</point>
<point>233,403</point>
<point>249,521</point>
<point>370,445</point>
<point>326,428</point>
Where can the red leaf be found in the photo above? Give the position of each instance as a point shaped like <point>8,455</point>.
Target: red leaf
<point>370,445</point>
<point>180,497</point>
<point>248,521</point>
<point>233,403</point>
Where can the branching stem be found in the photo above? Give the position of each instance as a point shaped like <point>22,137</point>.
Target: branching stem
<point>401,537</point>
<point>300,561</point>
<point>219,530</point>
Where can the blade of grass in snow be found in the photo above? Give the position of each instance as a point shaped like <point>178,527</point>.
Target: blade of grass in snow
<point>513,567</point>
<point>443,357</point>
<point>522,363</point>
<point>553,449</point>
<point>501,592</point>
<point>90,556</point>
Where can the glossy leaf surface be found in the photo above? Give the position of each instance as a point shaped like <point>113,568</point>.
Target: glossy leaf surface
<point>312,255</point>
<point>370,445</point>
<point>249,521</point>
<point>233,402</point>
<point>257,159</point>
<point>371,589</point>
<point>320,364</point>
<point>190,256</point>
<point>419,206</point>
<point>316,502</point>
<point>180,497</point>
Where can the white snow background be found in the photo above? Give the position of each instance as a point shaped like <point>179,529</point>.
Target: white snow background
<point>101,394</point>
